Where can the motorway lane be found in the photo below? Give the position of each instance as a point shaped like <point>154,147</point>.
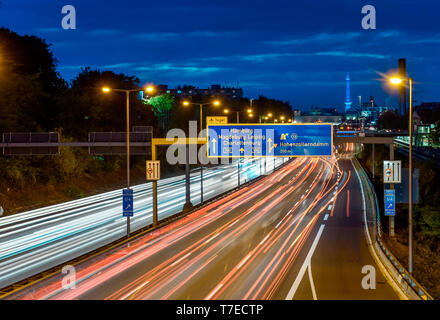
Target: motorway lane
<point>185,259</point>
<point>253,244</point>
<point>34,241</point>
<point>334,271</point>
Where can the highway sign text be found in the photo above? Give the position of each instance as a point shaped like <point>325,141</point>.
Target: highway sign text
<point>259,140</point>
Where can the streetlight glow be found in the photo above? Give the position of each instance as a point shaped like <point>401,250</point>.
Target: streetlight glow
<point>106,89</point>
<point>185,103</point>
<point>149,89</point>
<point>226,111</point>
<point>216,103</point>
<point>396,80</point>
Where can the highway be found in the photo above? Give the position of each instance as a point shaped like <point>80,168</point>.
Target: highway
<point>34,241</point>
<point>295,234</point>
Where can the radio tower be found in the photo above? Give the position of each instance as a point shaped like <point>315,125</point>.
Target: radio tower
<point>347,94</point>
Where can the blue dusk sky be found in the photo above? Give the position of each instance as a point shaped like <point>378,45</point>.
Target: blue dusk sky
<point>295,50</point>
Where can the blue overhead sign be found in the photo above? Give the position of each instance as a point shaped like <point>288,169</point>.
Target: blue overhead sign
<point>127,202</point>
<point>260,140</point>
<point>390,202</point>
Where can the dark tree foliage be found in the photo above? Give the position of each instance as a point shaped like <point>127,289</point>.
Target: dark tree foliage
<point>392,120</point>
<point>30,69</point>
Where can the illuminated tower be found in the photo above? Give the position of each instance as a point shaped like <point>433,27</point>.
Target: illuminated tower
<point>347,94</point>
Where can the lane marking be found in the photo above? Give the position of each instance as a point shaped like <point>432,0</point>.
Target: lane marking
<point>384,271</point>
<point>326,217</point>
<point>298,279</point>
<point>329,207</point>
<point>214,291</point>
<point>311,282</point>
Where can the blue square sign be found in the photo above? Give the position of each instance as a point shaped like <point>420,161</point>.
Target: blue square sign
<point>127,202</point>
<point>390,202</point>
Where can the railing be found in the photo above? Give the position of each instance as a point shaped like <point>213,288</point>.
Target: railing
<point>404,275</point>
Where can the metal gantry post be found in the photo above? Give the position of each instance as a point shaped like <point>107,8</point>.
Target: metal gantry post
<point>128,153</point>
<point>188,204</point>
<point>201,183</point>
<point>373,161</point>
<point>153,157</point>
<point>238,170</point>
<point>410,223</point>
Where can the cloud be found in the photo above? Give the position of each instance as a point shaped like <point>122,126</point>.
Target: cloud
<point>184,68</point>
<point>318,38</point>
<point>165,36</point>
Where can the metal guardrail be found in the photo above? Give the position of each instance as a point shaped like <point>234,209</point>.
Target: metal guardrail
<point>403,273</point>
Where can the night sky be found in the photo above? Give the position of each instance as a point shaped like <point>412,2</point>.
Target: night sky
<point>295,50</point>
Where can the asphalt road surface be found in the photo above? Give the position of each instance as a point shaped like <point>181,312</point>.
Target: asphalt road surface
<point>296,234</point>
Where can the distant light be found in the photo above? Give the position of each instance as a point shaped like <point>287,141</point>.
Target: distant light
<point>282,118</point>
<point>226,111</point>
<point>396,80</point>
<point>249,110</point>
<point>185,103</point>
<point>251,115</point>
<point>216,103</point>
<point>269,115</point>
<point>149,89</point>
<point>106,89</point>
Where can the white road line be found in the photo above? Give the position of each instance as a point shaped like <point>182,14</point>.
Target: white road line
<point>244,260</point>
<point>305,264</point>
<point>214,291</point>
<point>133,291</point>
<point>326,217</point>
<point>311,282</point>
<point>330,207</point>
<point>385,272</point>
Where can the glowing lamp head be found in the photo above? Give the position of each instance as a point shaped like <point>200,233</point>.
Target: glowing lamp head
<point>282,118</point>
<point>185,103</point>
<point>269,115</point>
<point>216,103</point>
<point>249,110</point>
<point>149,89</point>
<point>226,111</point>
<point>396,80</point>
<point>106,89</point>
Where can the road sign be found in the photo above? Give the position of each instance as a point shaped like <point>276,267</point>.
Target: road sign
<point>390,202</point>
<point>216,120</point>
<point>392,171</point>
<point>260,140</point>
<point>153,170</point>
<point>127,202</point>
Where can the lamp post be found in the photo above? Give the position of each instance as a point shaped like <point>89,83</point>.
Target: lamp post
<point>399,81</point>
<point>149,89</point>
<point>188,203</point>
<point>187,103</point>
<point>249,112</point>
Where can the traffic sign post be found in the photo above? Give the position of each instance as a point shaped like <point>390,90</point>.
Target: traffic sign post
<point>127,207</point>
<point>153,170</point>
<point>392,171</point>
<point>216,120</point>
<point>270,140</point>
<point>127,202</point>
<point>390,202</point>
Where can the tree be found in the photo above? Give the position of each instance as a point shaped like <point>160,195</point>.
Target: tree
<point>391,120</point>
<point>30,62</point>
<point>162,106</point>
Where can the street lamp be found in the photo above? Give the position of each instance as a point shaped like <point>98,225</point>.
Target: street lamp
<point>399,81</point>
<point>187,103</point>
<point>187,184</point>
<point>127,94</point>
